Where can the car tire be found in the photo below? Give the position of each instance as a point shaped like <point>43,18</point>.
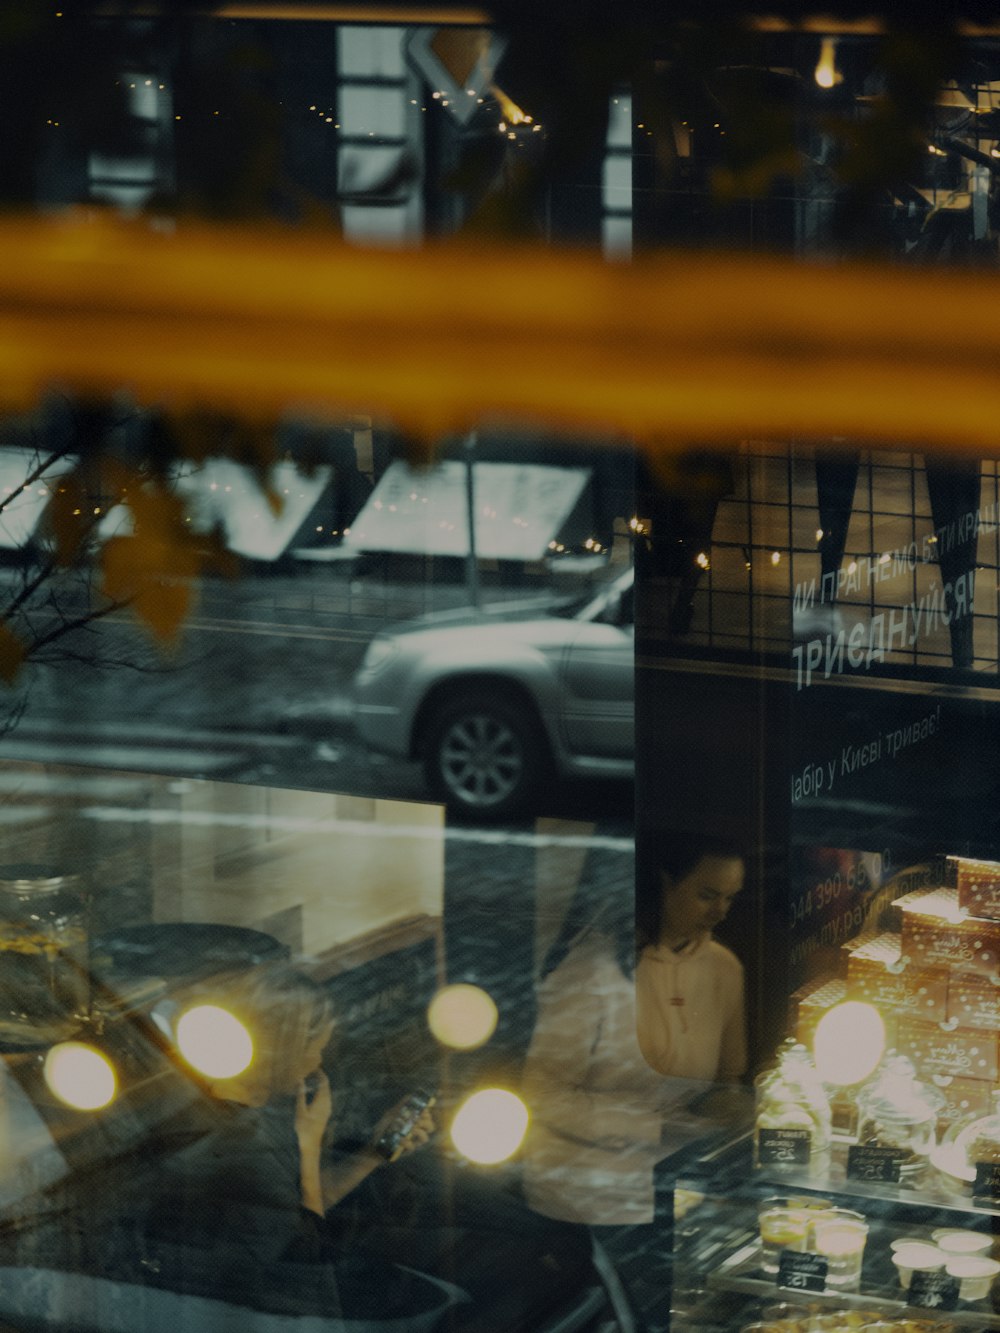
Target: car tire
<point>483,756</point>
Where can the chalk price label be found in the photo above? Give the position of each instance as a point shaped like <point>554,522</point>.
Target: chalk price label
<point>987,1184</point>
<point>802,1272</point>
<point>870,1161</point>
<point>784,1147</point>
<point>933,1291</point>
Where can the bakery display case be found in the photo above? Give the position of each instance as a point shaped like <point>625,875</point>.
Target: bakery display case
<point>864,1189</point>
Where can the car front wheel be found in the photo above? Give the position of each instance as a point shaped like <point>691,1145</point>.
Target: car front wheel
<point>482,755</point>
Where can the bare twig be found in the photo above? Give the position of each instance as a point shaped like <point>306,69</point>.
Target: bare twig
<point>79,622</point>
<point>55,457</point>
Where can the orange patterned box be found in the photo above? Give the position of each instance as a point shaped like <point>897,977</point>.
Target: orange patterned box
<point>939,933</point>
<point>812,1001</point>
<point>941,1053</point>
<point>978,884</point>
<point>974,1002</point>
<point>878,974</point>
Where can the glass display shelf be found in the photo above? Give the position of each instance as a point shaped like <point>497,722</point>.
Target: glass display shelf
<point>740,1272</point>
<point>719,1280</point>
<point>729,1162</point>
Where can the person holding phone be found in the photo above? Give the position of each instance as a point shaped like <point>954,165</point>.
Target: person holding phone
<point>259,1203</point>
<point>245,1178</point>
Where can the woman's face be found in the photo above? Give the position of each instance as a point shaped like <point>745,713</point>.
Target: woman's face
<point>696,904</point>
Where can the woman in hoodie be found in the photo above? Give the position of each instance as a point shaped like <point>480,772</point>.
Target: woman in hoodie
<point>636,1016</point>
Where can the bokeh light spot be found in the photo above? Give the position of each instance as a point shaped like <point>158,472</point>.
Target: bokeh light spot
<point>462,1016</point>
<point>214,1041</point>
<point>490,1126</point>
<point>848,1042</point>
<point>80,1076</point>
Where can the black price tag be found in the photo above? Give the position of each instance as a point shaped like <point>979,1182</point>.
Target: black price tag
<point>987,1184</point>
<point>933,1291</point>
<point>784,1147</point>
<point>802,1272</point>
<point>869,1161</point>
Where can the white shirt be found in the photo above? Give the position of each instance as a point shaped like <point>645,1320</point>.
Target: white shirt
<point>598,1109</point>
<point>690,1010</point>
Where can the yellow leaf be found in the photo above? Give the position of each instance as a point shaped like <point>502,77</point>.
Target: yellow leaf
<point>154,575</point>
<point>164,606</point>
<point>155,510</point>
<point>12,654</point>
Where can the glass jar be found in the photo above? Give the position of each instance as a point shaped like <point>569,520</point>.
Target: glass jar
<point>44,982</point>
<point>792,1128</point>
<point>896,1110</point>
<point>969,1146</point>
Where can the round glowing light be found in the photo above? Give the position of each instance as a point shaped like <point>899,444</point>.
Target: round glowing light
<point>214,1041</point>
<point>848,1042</point>
<point>775,557</point>
<point>490,1126</point>
<point>462,1016</point>
<point>80,1076</point>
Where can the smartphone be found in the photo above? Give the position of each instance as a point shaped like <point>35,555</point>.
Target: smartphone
<point>393,1138</point>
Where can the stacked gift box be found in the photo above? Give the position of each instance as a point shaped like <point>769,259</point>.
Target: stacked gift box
<point>936,983</point>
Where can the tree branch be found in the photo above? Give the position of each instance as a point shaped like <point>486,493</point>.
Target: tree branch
<point>81,622</point>
<point>38,473</point>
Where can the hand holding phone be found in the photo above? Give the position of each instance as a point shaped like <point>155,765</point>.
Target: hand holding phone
<point>408,1125</point>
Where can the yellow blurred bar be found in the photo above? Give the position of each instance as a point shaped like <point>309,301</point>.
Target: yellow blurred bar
<point>435,15</point>
<point>673,348</point>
